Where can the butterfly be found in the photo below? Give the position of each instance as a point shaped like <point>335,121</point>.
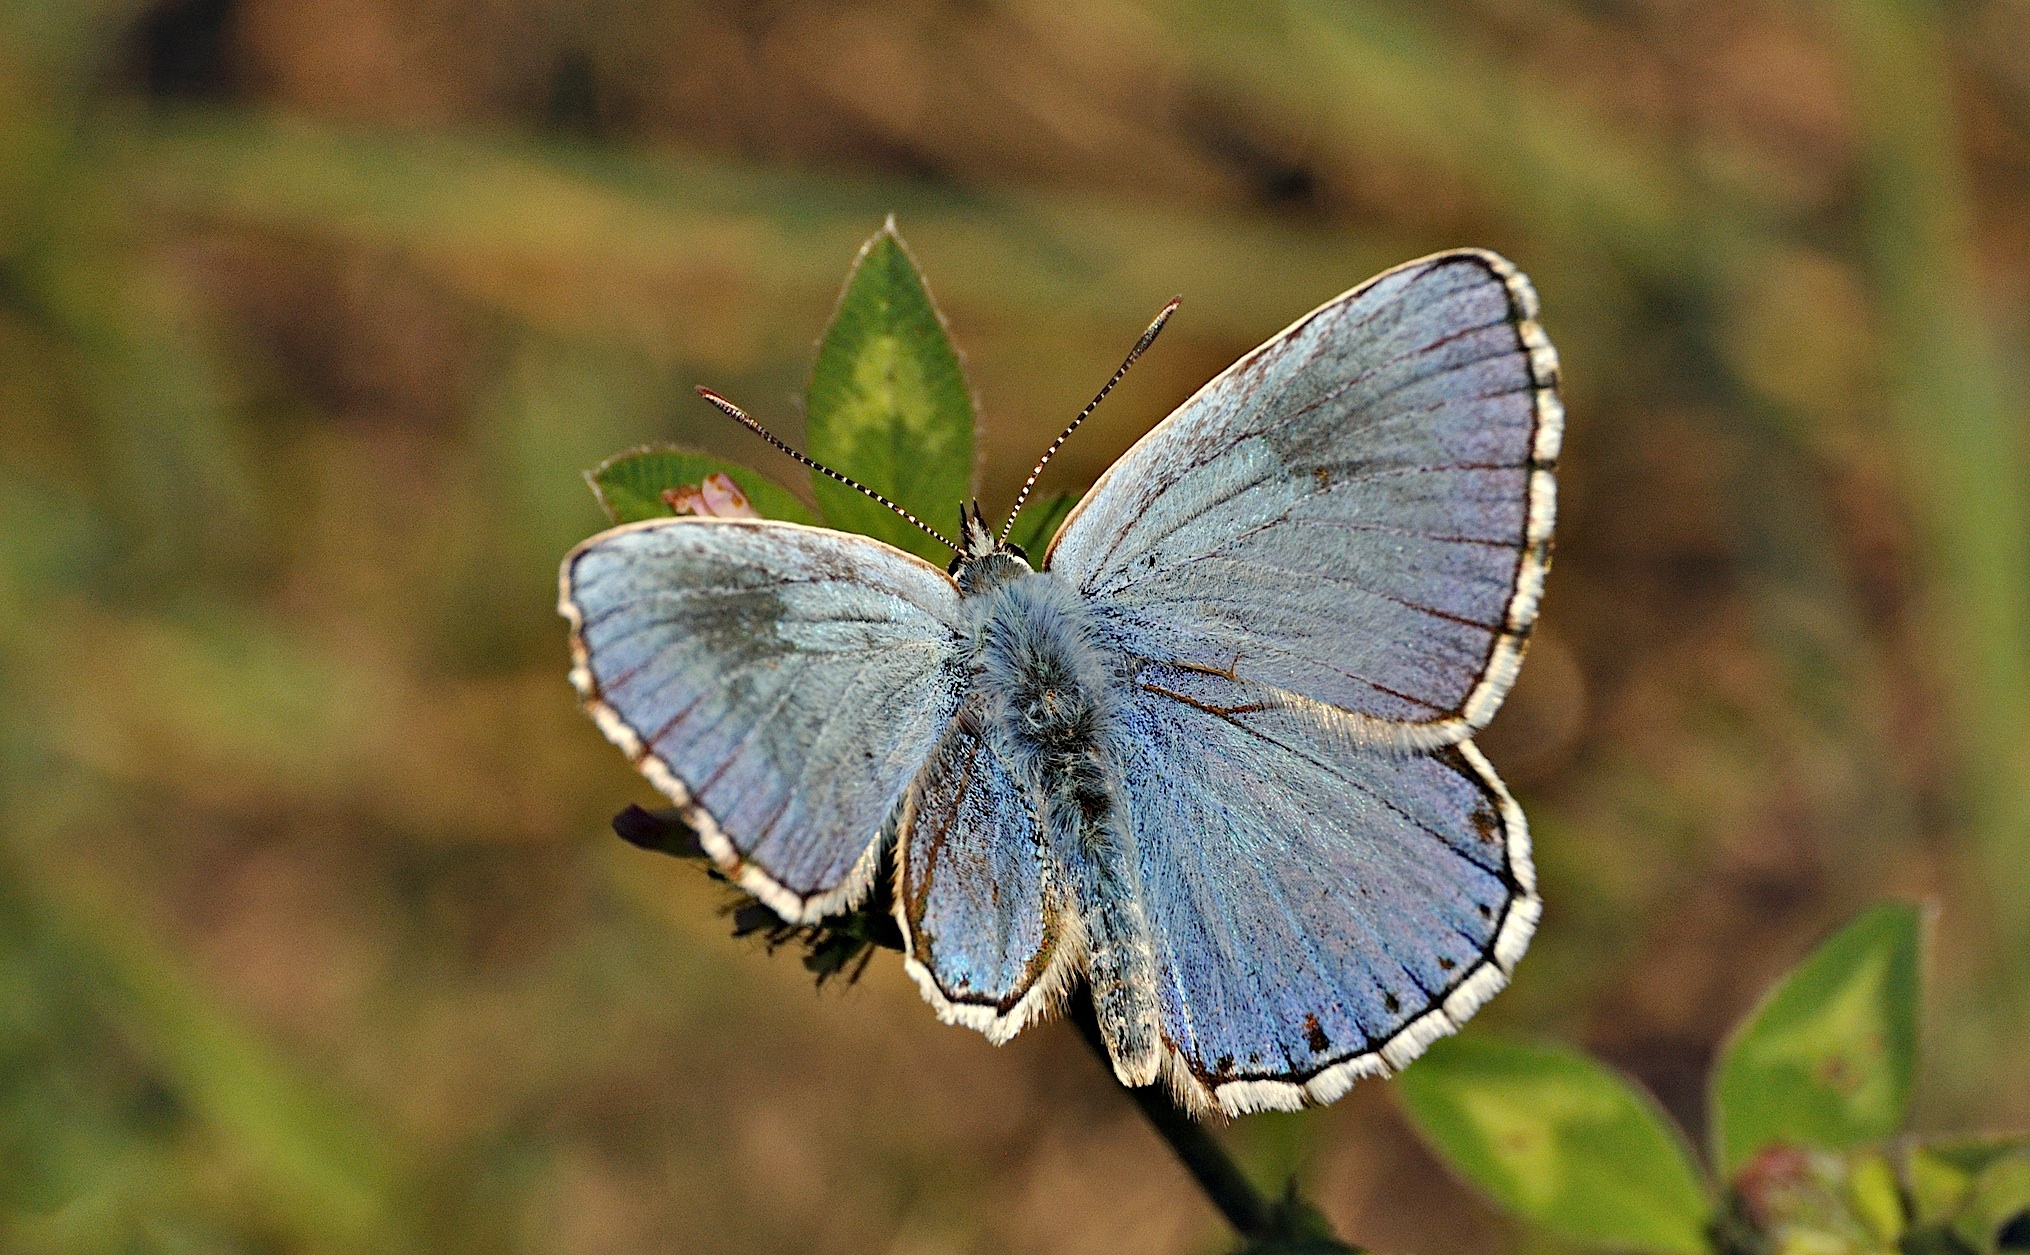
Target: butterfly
<point>1212,754</point>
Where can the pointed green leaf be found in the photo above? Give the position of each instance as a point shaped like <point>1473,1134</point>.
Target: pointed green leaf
<point>889,405</point>
<point>1561,1140</point>
<point>630,486</point>
<point>1037,525</point>
<point>1827,1060</point>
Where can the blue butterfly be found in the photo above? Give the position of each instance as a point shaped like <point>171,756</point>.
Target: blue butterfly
<point>1213,755</point>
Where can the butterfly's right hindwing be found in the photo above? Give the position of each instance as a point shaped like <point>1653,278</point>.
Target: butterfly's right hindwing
<point>1321,911</point>
<point>782,684</point>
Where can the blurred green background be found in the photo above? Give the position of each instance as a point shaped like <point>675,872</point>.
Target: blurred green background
<point>312,935</point>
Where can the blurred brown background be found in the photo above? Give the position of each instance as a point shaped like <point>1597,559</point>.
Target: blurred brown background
<point>312,935</point>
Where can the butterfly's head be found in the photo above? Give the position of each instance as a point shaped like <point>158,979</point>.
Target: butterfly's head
<point>982,562</point>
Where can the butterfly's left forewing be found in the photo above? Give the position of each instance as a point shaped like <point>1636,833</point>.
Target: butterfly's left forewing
<point>782,684</point>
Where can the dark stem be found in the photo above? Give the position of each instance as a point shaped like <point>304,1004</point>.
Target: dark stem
<point>842,944</point>
<point>1208,1163</point>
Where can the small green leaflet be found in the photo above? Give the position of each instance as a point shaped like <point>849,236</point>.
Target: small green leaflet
<point>1560,1140</point>
<point>889,405</point>
<point>1828,1059</point>
<point>1037,525</point>
<point>630,485</point>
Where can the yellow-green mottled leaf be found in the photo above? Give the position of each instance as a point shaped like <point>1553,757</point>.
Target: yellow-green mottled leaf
<point>1827,1059</point>
<point>1561,1140</point>
<point>889,405</point>
<point>630,486</point>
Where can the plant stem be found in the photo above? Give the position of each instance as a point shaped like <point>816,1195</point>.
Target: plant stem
<point>1208,1163</point>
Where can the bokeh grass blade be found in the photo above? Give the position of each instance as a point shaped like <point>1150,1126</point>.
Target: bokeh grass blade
<point>1959,426</point>
<point>1828,1059</point>
<point>628,246</point>
<point>1560,1140</point>
<point>889,405</point>
<point>1370,72</point>
<point>630,485</point>
<point>329,1169</point>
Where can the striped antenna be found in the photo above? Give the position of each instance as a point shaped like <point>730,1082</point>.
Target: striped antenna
<point>740,416</point>
<point>1141,346</point>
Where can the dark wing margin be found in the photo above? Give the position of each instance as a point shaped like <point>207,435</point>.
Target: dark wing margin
<point>781,684</point>
<point>1358,513</point>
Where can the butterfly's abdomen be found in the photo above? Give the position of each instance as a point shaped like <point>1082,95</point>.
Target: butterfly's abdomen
<point>1051,698</point>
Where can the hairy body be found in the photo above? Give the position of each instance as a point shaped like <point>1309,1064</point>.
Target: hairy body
<point>1047,702</point>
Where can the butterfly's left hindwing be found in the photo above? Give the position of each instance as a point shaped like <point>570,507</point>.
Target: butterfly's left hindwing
<point>782,684</point>
<point>985,922</point>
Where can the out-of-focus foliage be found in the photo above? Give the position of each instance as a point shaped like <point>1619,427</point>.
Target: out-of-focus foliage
<point>1969,1197</point>
<point>1828,1058</point>
<point>1805,1097</point>
<point>1561,1141</point>
<point>312,935</point>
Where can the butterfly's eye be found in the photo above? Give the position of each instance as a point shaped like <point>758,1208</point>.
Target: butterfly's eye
<point>1015,549</point>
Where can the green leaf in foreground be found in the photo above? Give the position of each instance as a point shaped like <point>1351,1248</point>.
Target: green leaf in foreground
<point>1037,525</point>
<point>1827,1060</point>
<point>630,486</point>
<point>889,406</point>
<point>1560,1140</point>
<point>1978,1189</point>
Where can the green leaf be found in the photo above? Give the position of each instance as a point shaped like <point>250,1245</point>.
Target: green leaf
<point>1827,1060</point>
<point>1037,525</point>
<point>888,404</point>
<point>2000,1203</point>
<point>1561,1140</point>
<point>1974,1188</point>
<point>630,485</point>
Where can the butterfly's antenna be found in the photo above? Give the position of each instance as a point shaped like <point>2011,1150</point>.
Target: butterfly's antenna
<point>740,416</point>
<point>1141,347</point>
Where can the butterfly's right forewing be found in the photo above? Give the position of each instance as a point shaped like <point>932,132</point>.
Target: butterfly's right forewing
<point>783,684</point>
<point>1358,512</point>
